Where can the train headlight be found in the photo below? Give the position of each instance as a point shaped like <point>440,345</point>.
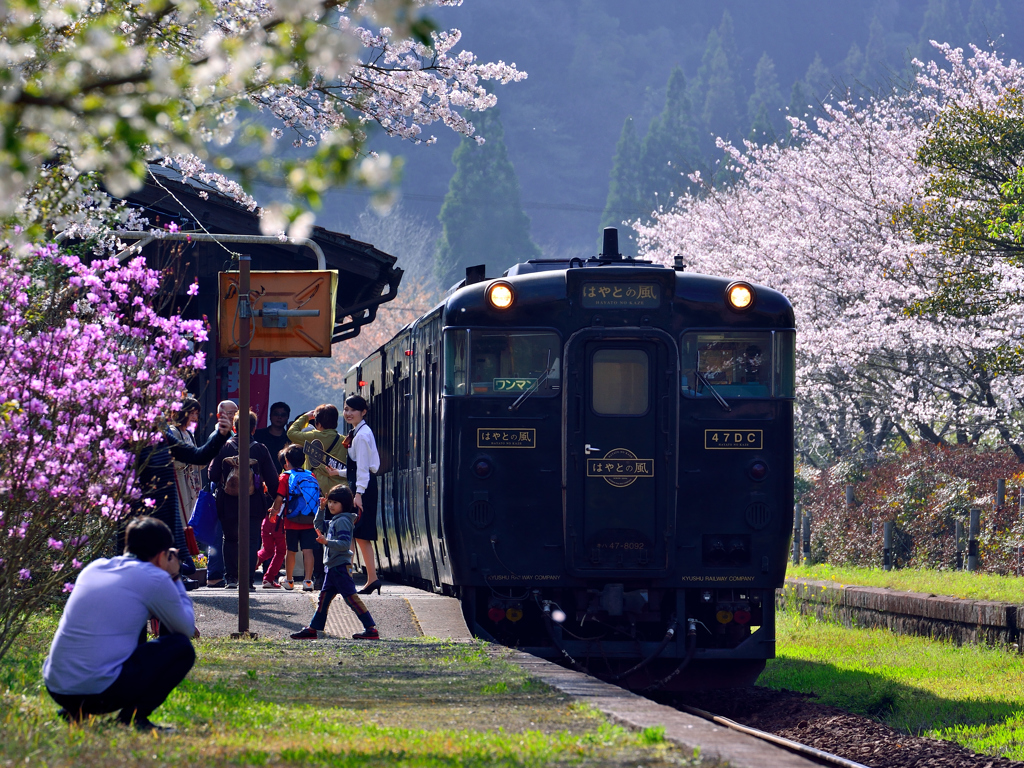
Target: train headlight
<point>501,295</point>
<point>740,296</point>
<point>482,468</point>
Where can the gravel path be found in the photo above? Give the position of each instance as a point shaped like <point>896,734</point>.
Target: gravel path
<point>796,717</point>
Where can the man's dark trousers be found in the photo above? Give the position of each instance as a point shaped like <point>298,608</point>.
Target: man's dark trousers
<point>147,678</point>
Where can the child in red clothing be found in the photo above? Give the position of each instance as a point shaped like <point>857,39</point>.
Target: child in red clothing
<point>274,543</point>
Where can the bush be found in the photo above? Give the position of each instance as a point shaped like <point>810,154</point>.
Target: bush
<point>924,492</point>
<point>89,366</point>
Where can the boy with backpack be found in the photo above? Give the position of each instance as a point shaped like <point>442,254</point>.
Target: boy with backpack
<point>299,493</point>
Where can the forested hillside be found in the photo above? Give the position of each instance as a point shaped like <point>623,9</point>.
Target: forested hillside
<point>594,63</point>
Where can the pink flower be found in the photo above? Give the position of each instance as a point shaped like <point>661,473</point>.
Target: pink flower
<point>148,503</point>
<point>68,586</point>
<point>57,567</point>
<point>173,227</point>
<point>55,544</point>
<point>193,289</point>
<point>25,574</point>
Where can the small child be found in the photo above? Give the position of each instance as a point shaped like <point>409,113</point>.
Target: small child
<point>274,543</point>
<point>337,545</point>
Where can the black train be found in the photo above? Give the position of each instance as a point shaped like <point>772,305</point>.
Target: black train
<point>596,457</point>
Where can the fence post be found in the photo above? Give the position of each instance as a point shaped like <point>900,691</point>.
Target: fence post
<point>972,539</point>
<point>797,520</point>
<point>959,545</point>
<point>887,547</point>
<point>805,539</point>
<point>1000,503</point>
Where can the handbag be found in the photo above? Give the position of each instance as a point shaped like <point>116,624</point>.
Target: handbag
<point>204,516</point>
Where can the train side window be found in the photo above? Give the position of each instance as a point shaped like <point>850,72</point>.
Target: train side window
<point>785,363</point>
<point>620,382</point>
<point>737,364</point>
<point>456,357</point>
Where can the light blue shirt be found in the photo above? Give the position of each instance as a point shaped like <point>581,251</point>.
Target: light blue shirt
<point>101,624</point>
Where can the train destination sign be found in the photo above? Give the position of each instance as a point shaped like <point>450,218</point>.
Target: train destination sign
<point>735,439</point>
<point>512,385</point>
<point>506,438</point>
<point>621,295</point>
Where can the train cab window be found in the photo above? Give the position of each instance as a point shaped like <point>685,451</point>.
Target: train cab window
<point>750,364</point>
<point>501,363</point>
<point>620,382</point>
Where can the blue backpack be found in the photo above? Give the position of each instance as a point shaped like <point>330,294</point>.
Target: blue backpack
<point>303,494</point>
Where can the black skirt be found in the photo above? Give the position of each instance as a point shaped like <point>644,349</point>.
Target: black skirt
<point>366,528</point>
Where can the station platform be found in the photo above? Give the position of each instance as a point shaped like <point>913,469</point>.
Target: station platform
<point>403,612</point>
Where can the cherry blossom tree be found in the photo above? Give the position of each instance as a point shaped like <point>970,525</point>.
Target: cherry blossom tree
<point>104,86</point>
<point>824,222</point>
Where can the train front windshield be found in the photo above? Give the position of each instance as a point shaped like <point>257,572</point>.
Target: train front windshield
<point>734,364</point>
<point>502,363</point>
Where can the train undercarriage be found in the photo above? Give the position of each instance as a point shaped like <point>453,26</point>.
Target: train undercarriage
<point>639,638</point>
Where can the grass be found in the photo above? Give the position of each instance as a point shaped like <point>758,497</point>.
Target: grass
<point>972,695</point>
<point>396,703</point>
<point>964,584</point>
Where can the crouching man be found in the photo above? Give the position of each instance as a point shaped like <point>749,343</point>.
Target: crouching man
<point>99,660</point>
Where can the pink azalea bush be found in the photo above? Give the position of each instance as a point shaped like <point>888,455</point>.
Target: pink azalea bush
<point>89,368</point>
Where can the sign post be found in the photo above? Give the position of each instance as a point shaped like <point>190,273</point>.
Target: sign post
<point>244,339</point>
<point>296,319</point>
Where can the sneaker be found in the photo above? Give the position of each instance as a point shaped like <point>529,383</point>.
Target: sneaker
<point>289,584</point>
<point>218,584</point>
<point>307,586</point>
<point>318,582</point>
<point>271,585</point>
<point>231,584</point>
<point>305,634</point>
<point>366,634</point>
<point>145,725</point>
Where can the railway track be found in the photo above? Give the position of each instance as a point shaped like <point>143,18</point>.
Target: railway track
<point>818,755</point>
<point>787,716</point>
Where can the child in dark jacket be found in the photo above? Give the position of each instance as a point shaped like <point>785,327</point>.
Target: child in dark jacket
<point>337,543</point>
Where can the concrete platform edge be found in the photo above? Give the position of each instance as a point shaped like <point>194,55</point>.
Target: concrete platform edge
<point>630,710</point>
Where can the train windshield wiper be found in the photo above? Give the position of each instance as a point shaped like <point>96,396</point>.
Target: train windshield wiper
<point>721,400</point>
<point>535,386</point>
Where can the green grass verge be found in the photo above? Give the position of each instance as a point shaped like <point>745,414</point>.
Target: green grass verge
<point>973,586</point>
<point>396,703</point>
<point>972,695</point>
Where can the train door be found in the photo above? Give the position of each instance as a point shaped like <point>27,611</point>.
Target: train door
<point>621,410</point>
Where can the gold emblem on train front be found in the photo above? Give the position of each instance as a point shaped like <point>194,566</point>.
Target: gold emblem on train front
<point>620,467</point>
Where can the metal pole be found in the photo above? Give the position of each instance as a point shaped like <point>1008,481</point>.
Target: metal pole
<point>849,496</point>
<point>887,546</point>
<point>1000,494</point>
<point>797,519</point>
<point>805,538</point>
<point>972,539</point>
<point>959,534</point>
<point>244,315</point>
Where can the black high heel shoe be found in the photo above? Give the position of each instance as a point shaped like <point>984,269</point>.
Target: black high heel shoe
<point>368,589</point>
